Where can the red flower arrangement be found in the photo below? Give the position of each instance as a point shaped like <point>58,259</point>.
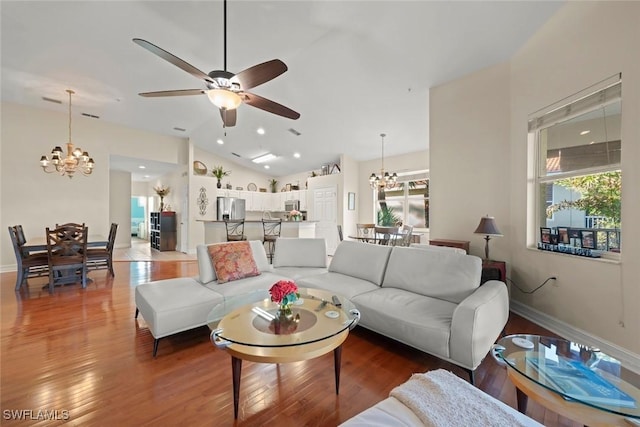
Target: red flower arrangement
<point>284,292</point>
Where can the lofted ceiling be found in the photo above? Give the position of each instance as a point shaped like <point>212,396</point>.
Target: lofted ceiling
<point>356,68</point>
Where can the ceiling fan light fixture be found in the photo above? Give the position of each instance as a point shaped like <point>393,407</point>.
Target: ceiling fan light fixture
<point>224,99</point>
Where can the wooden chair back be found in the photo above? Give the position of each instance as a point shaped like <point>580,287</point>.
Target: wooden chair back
<point>235,230</point>
<point>365,232</point>
<point>67,253</point>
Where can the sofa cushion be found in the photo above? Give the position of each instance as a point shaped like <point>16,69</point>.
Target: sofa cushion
<point>337,283</point>
<point>298,273</point>
<point>439,274</point>
<point>246,285</point>
<point>297,252</point>
<point>174,305</point>
<point>362,260</point>
<point>419,321</point>
<point>233,261</point>
<point>205,265</point>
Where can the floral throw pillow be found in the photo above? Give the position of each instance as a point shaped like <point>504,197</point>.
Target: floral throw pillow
<point>233,261</point>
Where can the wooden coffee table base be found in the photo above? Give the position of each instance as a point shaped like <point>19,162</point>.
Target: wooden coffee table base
<point>283,355</point>
<point>584,414</point>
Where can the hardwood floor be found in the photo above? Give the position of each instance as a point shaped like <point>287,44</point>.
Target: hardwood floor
<point>82,351</point>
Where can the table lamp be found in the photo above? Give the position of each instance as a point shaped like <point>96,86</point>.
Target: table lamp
<point>488,227</point>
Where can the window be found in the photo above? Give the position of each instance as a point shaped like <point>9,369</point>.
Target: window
<point>578,179</point>
<point>405,203</point>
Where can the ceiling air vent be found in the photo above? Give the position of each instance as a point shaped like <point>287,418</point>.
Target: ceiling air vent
<point>179,129</point>
<point>55,101</point>
<point>236,154</point>
<point>295,132</point>
<point>90,116</point>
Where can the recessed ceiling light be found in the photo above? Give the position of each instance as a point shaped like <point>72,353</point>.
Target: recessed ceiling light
<point>142,167</point>
<point>296,155</point>
<point>264,158</point>
<point>584,132</point>
<point>260,131</point>
<point>146,176</point>
<point>267,167</point>
<point>219,141</point>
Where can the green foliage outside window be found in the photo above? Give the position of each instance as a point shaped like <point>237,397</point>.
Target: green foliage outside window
<point>601,196</point>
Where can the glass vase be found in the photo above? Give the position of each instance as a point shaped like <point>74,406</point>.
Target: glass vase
<point>284,313</point>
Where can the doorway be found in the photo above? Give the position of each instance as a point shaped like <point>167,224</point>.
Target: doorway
<point>138,216</point>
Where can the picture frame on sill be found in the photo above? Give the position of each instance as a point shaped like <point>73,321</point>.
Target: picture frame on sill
<point>554,239</point>
<point>545,235</point>
<point>588,239</point>
<point>287,187</point>
<point>574,233</point>
<point>563,235</point>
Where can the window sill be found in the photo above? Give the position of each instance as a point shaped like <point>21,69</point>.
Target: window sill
<point>608,258</point>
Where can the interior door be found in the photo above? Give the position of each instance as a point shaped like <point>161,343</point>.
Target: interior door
<point>325,211</point>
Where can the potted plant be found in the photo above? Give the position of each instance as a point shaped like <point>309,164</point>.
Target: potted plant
<point>219,173</point>
<point>162,191</point>
<point>273,183</point>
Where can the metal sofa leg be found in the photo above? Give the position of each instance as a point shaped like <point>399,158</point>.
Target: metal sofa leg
<point>155,346</point>
<point>137,311</point>
<point>472,376</point>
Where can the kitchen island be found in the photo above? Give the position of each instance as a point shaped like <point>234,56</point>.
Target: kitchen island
<point>216,232</point>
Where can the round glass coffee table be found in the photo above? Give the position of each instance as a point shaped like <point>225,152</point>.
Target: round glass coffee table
<point>247,328</point>
<point>573,380</point>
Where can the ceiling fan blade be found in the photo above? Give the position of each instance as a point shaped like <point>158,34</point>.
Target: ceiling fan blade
<point>183,65</point>
<point>228,117</point>
<point>261,73</point>
<point>181,92</point>
<point>270,106</point>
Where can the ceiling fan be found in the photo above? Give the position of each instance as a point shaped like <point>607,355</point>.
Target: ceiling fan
<point>225,89</point>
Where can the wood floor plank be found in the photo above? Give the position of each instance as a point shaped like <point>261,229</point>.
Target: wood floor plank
<point>82,351</point>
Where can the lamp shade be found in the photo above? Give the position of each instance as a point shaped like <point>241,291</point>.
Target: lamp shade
<point>488,227</point>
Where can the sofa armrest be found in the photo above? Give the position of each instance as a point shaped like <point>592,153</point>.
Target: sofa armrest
<point>477,322</point>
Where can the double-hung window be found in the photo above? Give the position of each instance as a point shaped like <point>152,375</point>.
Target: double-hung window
<point>578,177</point>
<point>405,202</point>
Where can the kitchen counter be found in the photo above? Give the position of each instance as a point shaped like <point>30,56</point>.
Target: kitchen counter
<point>216,232</point>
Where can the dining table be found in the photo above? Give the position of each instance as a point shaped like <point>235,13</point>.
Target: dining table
<point>37,244</point>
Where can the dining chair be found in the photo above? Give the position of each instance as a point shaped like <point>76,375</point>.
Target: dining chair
<point>365,232</point>
<point>28,264</point>
<point>235,230</point>
<point>404,237</point>
<point>385,235</point>
<point>100,258</point>
<point>271,231</point>
<point>71,226</point>
<point>67,253</point>
<point>340,235</point>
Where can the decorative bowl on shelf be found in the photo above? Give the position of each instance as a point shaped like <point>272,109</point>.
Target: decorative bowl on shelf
<point>199,168</point>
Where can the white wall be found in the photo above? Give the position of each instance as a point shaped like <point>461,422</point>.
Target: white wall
<point>34,199</point>
<point>470,158</point>
<point>582,44</point>
<point>120,206</point>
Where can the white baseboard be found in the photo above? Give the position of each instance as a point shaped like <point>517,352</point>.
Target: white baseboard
<point>628,359</point>
<point>8,268</point>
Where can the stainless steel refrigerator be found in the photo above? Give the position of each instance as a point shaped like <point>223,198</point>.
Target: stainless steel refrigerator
<point>230,208</point>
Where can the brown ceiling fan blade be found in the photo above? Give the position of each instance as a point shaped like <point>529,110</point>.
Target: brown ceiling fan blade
<point>183,65</point>
<point>270,106</point>
<point>261,73</point>
<point>228,117</point>
<point>180,92</point>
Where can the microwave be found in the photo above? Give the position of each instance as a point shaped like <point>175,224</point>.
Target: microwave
<point>290,205</point>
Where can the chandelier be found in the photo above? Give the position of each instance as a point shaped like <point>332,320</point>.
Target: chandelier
<point>76,160</point>
<point>384,179</point>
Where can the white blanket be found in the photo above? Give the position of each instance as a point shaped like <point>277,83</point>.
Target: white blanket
<point>439,398</point>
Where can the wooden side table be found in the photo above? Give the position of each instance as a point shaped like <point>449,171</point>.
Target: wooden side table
<point>493,270</point>
<point>462,244</point>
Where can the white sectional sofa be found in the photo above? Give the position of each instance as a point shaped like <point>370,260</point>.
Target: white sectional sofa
<point>428,299</point>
